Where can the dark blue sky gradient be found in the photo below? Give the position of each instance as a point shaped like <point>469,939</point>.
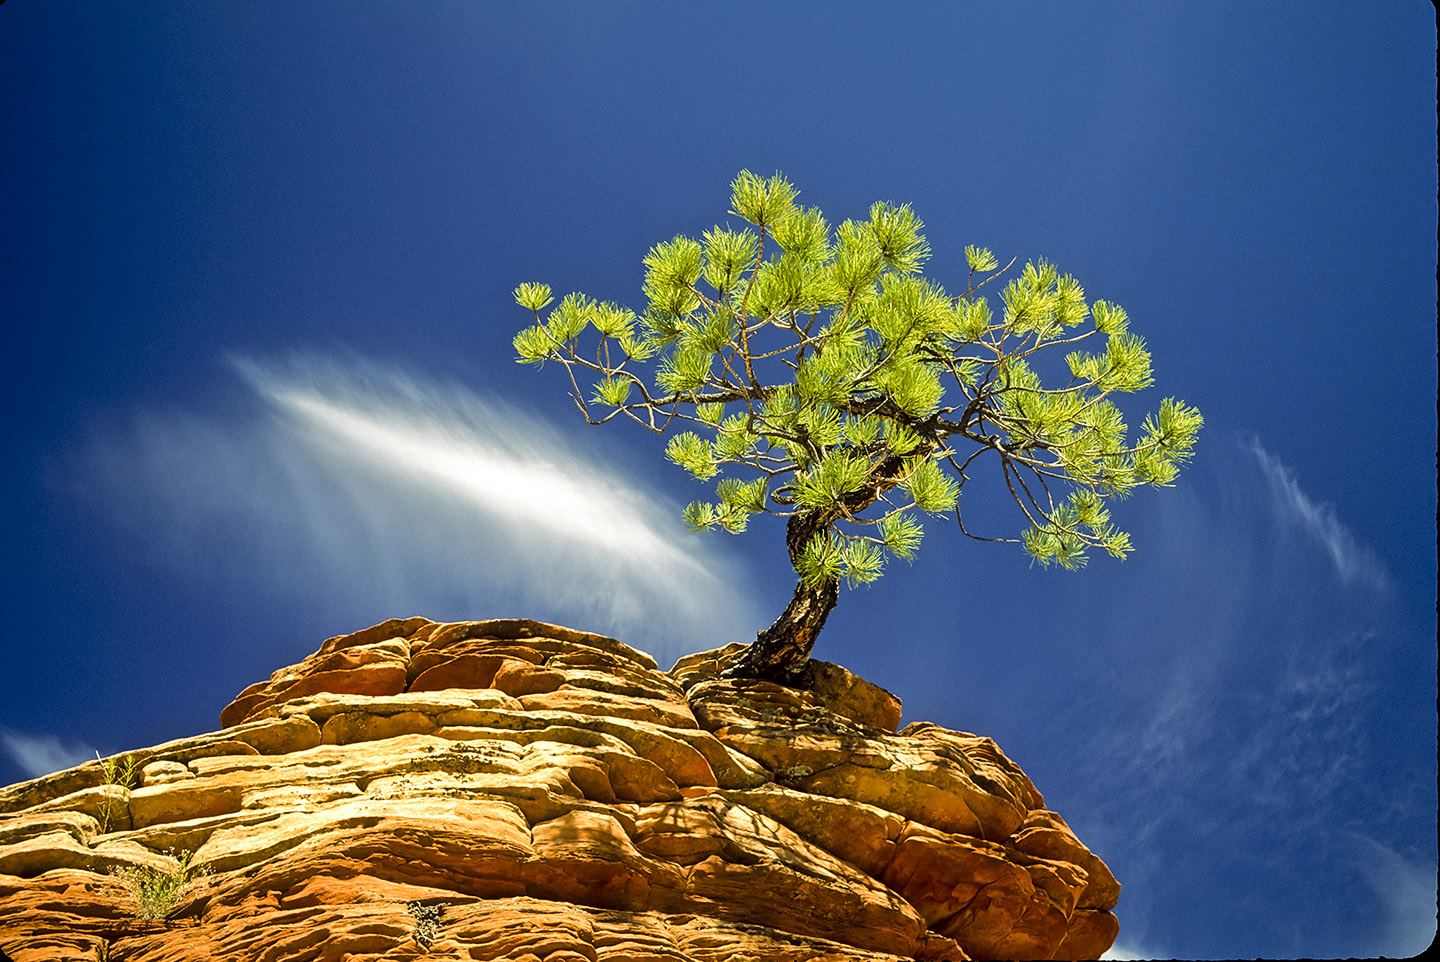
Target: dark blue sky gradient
<point>1240,718</point>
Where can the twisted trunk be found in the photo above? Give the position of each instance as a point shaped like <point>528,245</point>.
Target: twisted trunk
<point>781,653</point>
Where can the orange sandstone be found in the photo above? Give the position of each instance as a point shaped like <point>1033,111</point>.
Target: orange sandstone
<point>512,790</point>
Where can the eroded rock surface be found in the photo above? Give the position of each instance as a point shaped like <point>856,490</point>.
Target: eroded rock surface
<point>512,790</point>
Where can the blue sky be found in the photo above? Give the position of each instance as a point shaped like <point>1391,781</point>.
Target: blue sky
<point>256,287</point>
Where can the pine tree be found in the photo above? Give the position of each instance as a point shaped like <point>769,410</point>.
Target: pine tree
<point>820,377</point>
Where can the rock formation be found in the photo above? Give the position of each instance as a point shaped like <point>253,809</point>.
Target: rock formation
<point>511,790</point>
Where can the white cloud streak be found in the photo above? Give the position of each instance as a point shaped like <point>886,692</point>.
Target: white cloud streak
<point>39,755</point>
<point>402,496</point>
<point>1124,951</point>
<point>1406,891</point>
<point>1249,743</point>
<point>1354,563</point>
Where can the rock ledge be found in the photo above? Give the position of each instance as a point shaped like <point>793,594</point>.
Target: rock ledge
<point>512,790</point>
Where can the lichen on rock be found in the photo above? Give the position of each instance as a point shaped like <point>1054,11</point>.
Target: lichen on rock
<point>509,789</point>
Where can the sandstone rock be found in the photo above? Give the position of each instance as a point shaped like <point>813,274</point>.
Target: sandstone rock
<point>510,790</point>
<point>845,693</point>
<point>163,772</point>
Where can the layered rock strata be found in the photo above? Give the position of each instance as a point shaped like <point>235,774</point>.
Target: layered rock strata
<point>511,790</point>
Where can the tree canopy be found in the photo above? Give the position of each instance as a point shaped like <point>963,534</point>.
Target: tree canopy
<point>814,373</point>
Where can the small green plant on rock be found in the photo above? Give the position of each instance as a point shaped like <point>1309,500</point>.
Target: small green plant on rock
<point>156,891</point>
<point>114,771</point>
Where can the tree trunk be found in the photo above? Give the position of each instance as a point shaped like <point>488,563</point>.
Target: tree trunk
<point>781,653</point>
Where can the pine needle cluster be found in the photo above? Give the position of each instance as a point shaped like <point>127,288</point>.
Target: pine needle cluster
<point>812,369</point>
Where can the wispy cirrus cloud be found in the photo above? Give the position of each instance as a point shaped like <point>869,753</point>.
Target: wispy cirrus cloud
<point>37,755</point>
<point>1354,563</point>
<point>1126,951</point>
<point>376,489</point>
<point>1243,737</point>
<point>1406,890</point>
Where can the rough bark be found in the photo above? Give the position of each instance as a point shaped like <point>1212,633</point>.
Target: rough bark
<point>781,653</point>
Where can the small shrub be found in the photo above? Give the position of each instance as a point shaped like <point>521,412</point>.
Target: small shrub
<point>156,891</point>
<point>114,771</point>
<point>427,920</point>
